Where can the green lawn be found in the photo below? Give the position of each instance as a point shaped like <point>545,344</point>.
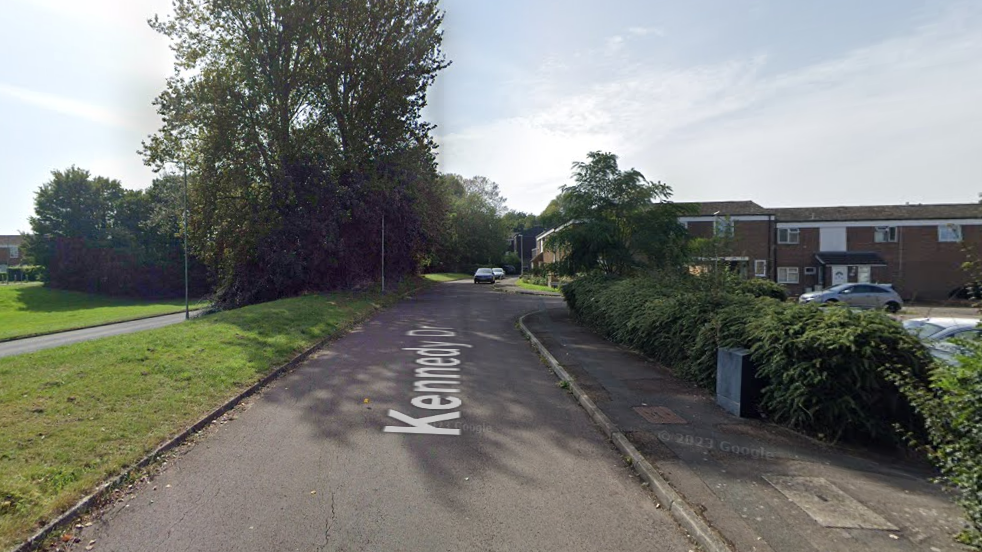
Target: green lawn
<point>30,309</point>
<point>74,416</point>
<point>447,276</point>
<point>535,287</point>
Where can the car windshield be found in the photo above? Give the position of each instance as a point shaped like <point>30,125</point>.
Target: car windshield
<point>839,287</point>
<point>922,330</point>
<point>484,271</point>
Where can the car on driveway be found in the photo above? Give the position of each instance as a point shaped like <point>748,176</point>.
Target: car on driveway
<point>867,296</point>
<point>499,273</point>
<point>941,336</point>
<point>484,275</point>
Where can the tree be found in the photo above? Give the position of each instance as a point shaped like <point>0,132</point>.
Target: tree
<point>300,125</point>
<point>90,234</point>
<point>516,221</point>
<point>474,231</point>
<point>553,215</point>
<point>618,221</point>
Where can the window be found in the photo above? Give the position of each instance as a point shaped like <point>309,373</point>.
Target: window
<point>885,234</point>
<point>810,271</point>
<point>787,275</point>
<point>724,227</point>
<point>950,233</point>
<point>760,268</point>
<point>788,235</point>
<point>14,252</point>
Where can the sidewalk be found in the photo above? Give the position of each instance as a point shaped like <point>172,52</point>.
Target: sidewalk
<point>762,487</point>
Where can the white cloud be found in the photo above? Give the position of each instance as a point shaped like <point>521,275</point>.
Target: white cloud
<point>67,106</point>
<point>644,31</point>
<point>895,121</point>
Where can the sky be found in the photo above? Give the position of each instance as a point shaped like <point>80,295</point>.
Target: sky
<point>783,102</point>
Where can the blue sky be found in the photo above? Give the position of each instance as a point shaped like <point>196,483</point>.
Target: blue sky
<point>782,102</point>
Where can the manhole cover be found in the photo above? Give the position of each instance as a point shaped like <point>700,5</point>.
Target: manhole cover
<point>659,415</point>
<point>826,504</point>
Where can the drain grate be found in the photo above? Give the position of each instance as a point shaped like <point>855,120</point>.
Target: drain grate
<point>659,415</point>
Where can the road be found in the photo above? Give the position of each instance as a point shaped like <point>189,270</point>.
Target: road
<point>336,455</point>
<point>31,344</point>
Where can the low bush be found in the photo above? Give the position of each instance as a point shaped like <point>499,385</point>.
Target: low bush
<point>950,403</point>
<point>828,371</point>
<point>759,287</point>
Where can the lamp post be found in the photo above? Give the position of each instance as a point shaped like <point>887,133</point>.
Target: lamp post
<point>187,302</point>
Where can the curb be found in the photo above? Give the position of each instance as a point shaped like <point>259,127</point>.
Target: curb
<point>65,519</point>
<point>684,513</point>
<point>194,313</point>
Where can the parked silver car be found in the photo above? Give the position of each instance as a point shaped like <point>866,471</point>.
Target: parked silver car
<point>867,296</point>
<point>943,336</point>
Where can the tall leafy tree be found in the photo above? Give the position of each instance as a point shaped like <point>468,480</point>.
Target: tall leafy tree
<point>617,221</point>
<point>300,123</point>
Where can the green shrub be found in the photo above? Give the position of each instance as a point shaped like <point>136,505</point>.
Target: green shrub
<point>950,403</point>
<point>759,287</point>
<point>828,371</point>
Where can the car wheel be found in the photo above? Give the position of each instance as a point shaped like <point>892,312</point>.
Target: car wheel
<point>892,307</point>
<point>475,281</point>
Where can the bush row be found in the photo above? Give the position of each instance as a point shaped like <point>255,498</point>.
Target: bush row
<point>826,371</point>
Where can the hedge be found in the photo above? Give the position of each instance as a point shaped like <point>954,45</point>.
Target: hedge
<point>825,370</point>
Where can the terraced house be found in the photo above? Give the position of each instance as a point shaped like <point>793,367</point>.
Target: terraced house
<point>10,251</point>
<point>919,249</point>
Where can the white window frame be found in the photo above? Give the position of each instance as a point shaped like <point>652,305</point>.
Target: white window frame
<point>14,252</point>
<point>885,234</point>
<point>810,271</point>
<point>724,227</point>
<point>760,268</point>
<point>953,234</point>
<point>785,273</point>
<point>796,232</point>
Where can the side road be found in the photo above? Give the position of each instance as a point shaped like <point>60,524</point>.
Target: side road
<point>761,487</point>
<point>47,341</point>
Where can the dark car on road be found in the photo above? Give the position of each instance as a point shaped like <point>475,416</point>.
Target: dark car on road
<point>484,275</point>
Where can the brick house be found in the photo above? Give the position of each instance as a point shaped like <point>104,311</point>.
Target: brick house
<point>917,248</point>
<point>10,250</point>
<point>543,254</point>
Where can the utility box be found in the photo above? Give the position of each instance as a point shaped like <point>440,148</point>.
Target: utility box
<point>737,387</point>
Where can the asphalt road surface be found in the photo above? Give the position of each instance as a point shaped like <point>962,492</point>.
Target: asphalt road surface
<point>358,449</point>
<point>31,344</point>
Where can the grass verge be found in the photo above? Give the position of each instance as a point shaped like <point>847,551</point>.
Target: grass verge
<point>31,309</point>
<point>446,276</point>
<point>535,287</point>
<point>75,416</point>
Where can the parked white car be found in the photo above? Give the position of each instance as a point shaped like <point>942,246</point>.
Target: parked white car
<point>499,273</point>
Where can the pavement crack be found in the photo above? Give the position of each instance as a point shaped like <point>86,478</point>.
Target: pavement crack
<point>329,523</point>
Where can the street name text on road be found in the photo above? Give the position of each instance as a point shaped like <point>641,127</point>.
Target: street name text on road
<point>438,375</point>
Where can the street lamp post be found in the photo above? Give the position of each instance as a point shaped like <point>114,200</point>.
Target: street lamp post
<point>187,302</point>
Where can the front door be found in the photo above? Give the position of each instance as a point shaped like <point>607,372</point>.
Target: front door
<point>840,274</point>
